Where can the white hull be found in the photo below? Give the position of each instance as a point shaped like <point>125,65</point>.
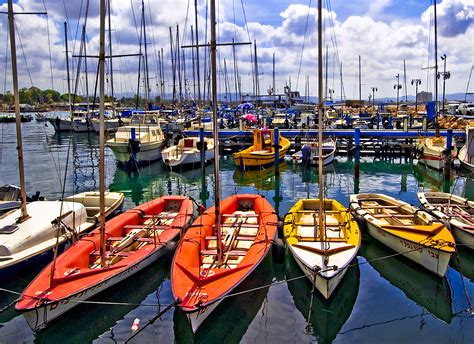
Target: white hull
<point>324,284</point>
<point>464,159</point>
<point>431,259</point>
<point>83,127</point>
<point>37,234</point>
<point>189,159</point>
<point>110,125</point>
<point>197,318</point>
<point>39,317</point>
<point>64,124</point>
<point>436,164</point>
<point>148,151</point>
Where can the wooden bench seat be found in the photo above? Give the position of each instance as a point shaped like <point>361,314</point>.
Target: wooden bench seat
<point>228,253</point>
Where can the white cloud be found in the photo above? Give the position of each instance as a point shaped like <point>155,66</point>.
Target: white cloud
<point>383,45</point>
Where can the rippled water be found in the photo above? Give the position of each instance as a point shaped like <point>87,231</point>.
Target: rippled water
<point>389,300</point>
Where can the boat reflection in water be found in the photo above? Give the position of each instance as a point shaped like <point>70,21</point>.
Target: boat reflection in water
<point>325,318</point>
<point>428,291</point>
<point>463,262</point>
<point>229,322</point>
<point>260,179</point>
<point>431,179</point>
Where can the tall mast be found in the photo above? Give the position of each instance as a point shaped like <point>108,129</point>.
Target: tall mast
<point>436,67</point>
<point>102,132</point>
<point>320,121</point>
<point>147,79</point>
<point>67,72</point>
<point>197,54</point>
<point>326,75</point>
<point>360,85</point>
<point>340,71</point>
<point>273,75</point>
<point>85,67</point>
<point>110,60</point>
<point>257,88</point>
<point>16,96</point>
<point>217,205</point>
<point>405,81</point>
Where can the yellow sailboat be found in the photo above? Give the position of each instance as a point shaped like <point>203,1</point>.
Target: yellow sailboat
<point>320,233</point>
<point>262,152</point>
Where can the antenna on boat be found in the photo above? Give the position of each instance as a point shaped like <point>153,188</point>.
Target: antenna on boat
<point>320,123</point>
<point>16,95</point>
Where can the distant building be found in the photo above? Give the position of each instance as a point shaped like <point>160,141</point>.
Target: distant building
<point>424,97</point>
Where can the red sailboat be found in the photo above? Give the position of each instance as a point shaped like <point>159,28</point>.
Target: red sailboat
<point>133,240</point>
<point>114,251</point>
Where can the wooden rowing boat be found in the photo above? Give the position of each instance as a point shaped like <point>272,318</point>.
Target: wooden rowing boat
<point>134,239</point>
<point>262,152</point>
<point>198,280</point>
<point>322,252</point>
<point>457,213</point>
<point>406,230</point>
<point>433,151</point>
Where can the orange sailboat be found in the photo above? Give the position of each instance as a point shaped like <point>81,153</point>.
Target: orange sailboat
<point>223,245</point>
<point>204,273</point>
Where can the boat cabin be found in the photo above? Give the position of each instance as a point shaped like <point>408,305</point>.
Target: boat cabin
<point>263,140</point>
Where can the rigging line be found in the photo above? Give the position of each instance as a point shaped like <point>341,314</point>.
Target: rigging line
<point>135,21</point>
<point>302,47</point>
<point>56,167</point>
<point>248,35</point>
<point>150,20</point>
<point>49,46</point>
<point>24,55</point>
<point>7,41</point>
<point>334,40</point>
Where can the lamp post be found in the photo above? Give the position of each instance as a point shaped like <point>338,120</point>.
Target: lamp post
<point>374,89</point>
<point>416,82</point>
<point>397,87</point>
<point>446,75</point>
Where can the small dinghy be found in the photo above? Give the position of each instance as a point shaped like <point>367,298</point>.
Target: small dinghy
<point>456,212</point>
<point>322,252</point>
<point>406,230</point>
<point>309,154</point>
<point>187,153</point>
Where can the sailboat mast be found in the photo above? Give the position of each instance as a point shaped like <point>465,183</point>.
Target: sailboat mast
<point>197,55</point>
<point>436,66</point>
<point>67,72</point>
<point>147,79</point>
<point>320,120</point>
<point>111,73</point>
<point>217,191</point>
<point>102,133</point>
<point>16,95</point>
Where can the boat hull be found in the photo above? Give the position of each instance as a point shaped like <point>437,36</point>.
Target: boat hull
<point>431,259</point>
<point>189,159</point>
<point>148,151</point>
<point>39,318</point>
<point>326,286</point>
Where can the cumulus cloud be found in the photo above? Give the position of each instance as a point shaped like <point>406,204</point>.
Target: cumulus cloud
<point>382,43</point>
<point>454,16</point>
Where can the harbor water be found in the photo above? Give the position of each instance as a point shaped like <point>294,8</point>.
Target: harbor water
<point>383,298</point>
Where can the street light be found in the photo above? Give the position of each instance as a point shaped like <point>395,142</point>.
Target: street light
<point>416,82</point>
<point>446,75</point>
<point>397,87</point>
<point>374,89</point>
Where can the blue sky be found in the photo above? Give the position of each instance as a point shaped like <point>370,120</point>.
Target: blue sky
<point>383,32</point>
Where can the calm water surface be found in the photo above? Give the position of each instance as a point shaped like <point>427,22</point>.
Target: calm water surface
<point>380,300</point>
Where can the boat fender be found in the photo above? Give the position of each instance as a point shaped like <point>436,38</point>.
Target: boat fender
<point>280,226</point>
<point>278,251</point>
